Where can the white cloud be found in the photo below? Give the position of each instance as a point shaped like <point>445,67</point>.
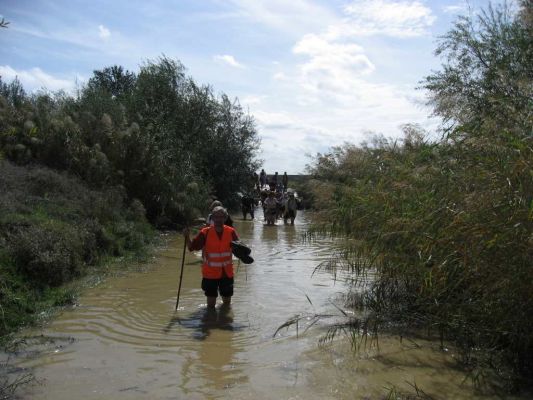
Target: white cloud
<point>290,130</point>
<point>35,79</point>
<point>228,60</point>
<point>292,17</point>
<point>332,95</point>
<point>275,120</point>
<point>393,18</point>
<point>455,9</point>
<point>103,32</point>
<point>337,70</point>
<point>331,65</point>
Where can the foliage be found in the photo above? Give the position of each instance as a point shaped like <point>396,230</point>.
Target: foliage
<point>445,228</point>
<point>52,228</point>
<point>79,176</point>
<point>169,142</point>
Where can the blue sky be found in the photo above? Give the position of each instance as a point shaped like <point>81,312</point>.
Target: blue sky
<point>313,73</point>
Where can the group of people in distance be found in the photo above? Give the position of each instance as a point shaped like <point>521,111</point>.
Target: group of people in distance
<point>279,205</point>
<point>277,200</point>
<point>273,183</point>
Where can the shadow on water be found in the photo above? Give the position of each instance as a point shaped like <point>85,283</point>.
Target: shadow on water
<point>205,320</point>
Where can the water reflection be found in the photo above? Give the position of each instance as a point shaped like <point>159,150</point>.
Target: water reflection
<point>291,237</point>
<point>213,354</point>
<point>203,321</point>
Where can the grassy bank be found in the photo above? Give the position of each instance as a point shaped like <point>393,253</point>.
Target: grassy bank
<point>53,229</point>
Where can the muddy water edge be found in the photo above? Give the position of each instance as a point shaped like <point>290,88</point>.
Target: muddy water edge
<point>125,341</point>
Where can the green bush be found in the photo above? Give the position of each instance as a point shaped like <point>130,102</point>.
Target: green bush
<point>47,255</point>
<point>52,227</point>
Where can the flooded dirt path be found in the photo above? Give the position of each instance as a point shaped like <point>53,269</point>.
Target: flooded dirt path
<point>124,340</point>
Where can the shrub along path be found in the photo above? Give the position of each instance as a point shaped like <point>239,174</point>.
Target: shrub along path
<point>52,229</point>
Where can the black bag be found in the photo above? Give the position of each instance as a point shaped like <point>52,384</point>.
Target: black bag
<point>242,252</point>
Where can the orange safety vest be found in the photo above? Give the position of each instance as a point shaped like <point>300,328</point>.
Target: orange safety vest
<point>217,253</point>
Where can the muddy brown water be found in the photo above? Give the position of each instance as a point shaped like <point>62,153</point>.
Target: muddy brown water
<point>125,341</point>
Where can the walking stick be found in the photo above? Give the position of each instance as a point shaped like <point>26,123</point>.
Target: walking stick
<point>181,273</point>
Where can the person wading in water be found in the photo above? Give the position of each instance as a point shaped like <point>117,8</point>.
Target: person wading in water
<point>217,267</point>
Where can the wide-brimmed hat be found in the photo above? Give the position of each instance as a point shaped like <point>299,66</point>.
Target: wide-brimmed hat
<point>242,252</point>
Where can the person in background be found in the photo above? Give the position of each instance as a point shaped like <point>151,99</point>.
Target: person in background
<point>271,208</point>
<point>217,267</point>
<point>256,183</point>
<point>262,178</point>
<point>247,206</point>
<point>271,185</point>
<point>290,209</point>
<point>285,181</point>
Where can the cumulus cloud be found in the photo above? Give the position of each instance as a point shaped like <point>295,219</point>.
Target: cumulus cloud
<point>228,60</point>
<point>103,32</point>
<point>336,64</point>
<point>334,95</point>
<point>331,65</point>
<point>337,67</point>
<point>35,79</point>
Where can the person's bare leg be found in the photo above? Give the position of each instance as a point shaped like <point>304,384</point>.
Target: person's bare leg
<point>211,302</point>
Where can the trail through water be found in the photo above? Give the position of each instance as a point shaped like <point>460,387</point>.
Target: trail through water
<point>124,340</point>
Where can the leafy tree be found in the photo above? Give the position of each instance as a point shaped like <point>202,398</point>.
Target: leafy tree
<point>166,140</point>
<point>114,80</point>
<point>488,71</point>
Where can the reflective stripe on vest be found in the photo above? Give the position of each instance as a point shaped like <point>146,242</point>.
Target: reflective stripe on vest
<point>218,264</point>
<point>217,253</point>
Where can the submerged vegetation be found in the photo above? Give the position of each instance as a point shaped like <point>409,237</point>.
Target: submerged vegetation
<point>86,177</point>
<point>445,226</point>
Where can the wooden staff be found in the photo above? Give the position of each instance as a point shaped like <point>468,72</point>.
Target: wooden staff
<point>181,273</point>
